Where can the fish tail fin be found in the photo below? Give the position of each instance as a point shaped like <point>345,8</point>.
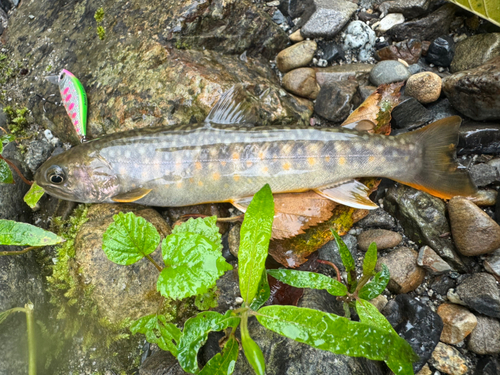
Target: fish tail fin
<point>439,173</point>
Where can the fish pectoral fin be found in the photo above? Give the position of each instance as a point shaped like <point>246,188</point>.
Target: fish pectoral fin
<point>132,195</point>
<point>242,203</point>
<point>352,193</point>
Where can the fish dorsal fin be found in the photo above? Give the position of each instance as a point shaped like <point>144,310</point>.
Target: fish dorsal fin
<point>235,106</point>
<point>362,125</point>
<point>132,195</point>
<point>351,193</point>
<point>242,203</point>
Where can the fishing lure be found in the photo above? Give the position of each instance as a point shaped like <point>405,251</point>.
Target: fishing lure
<point>74,99</point>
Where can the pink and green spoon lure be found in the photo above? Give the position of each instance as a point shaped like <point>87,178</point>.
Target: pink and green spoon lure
<point>74,99</point>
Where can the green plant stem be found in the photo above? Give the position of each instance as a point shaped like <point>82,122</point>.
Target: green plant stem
<point>13,166</point>
<point>2,253</point>
<point>30,325</point>
<point>155,264</point>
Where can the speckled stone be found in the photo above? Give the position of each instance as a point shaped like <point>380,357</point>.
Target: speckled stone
<point>328,18</point>
<point>485,338</point>
<point>301,82</point>
<point>384,239</point>
<point>433,263</point>
<point>296,56</point>
<point>406,275</point>
<point>425,87</point>
<point>449,360</point>
<point>480,293</point>
<point>458,322</point>
<point>475,51</point>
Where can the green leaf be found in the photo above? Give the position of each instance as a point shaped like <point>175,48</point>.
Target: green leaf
<point>370,260</point>
<point>5,173</point>
<point>369,314</point>
<point>205,226</point>
<point>223,363</point>
<point>158,331</point>
<point>336,334</point>
<point>195,334</point>
<point>487,9</point>
<point>304,279</point>
<point>254,242</point>
<point>22,234</point>
<point>263,293</point>
<point>377,285</point>
<point>129,238</point>
<point>4,139</point>
<point>207,300</point>
<point>5,314</point>
<point>33,195</point>
<point>347,259</point>
<point>253,354</point>
<point>194,263</point>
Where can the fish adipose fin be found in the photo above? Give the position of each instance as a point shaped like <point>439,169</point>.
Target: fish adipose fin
<point>131,196</point>
<point>235,106</point>
<point>352,193</point>
<point>439,174</point>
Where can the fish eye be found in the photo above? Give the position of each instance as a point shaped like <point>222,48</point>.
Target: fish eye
<point>62,75</point>
<point>55,174</point>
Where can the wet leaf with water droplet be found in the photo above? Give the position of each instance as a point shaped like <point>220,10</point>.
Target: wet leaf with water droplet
<point>33,195</point>
<point>158,331</point>
<point>22,234</point>
<point>263,293</point>
<point>5,173</point>
<point>370,260</point>
<point>377,285</point>
<point>223,363</point>
<point>304,279</point>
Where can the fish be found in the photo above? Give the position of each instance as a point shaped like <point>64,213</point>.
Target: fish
<point>74,98</point>
<point>222,161</point>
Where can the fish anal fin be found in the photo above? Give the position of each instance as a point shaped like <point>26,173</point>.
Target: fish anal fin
<point>132,195</point>
<point>352,193</point>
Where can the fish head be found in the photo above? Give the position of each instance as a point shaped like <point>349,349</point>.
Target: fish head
<point>78,175</point>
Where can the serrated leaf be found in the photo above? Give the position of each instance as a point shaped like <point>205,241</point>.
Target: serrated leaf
<point>158,331</point>
<point>223,363</point>
<point>254,242</point>
<point>347,260</point>
<point>5,173</point>
<point>334,333</point>
<point>253,354</point>
<point>377,285</point>
<point>194,263</point>
<point>263,293</point>
<point>205,226</point>
<point>370,260</point>
<point>33,195</point>
<point>195,334</point>
<point>207,300</point>
<point>22,234</point>
<point>487,9</point>
<point>129,238</point>
<point>304,279</point>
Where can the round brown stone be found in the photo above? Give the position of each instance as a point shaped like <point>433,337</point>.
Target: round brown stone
<point>302,82</point>
<point>406,275</point>
<point>425,87</point>
<point>296,56</point>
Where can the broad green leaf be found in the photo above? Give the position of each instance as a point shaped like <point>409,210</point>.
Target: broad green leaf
<point>158,331</point>
<point>5,173</point>
<point>223,363</point>
<point>4,139</point>
<point>129,238</point>
<point>304,279</point>
<point>207,300</point>
<point>205,226</point>
<point>377,285</point>
<point>253,354</point>
<point>263,293</point>
<point>487,9</point>
<point>254,242</point>
<point>195,334</point>
<point>370,260</point>
<point>347,259</point>
<point>33,195</point>
<point>194,263</point>
<point>336,334</point>
<point>22,234</point>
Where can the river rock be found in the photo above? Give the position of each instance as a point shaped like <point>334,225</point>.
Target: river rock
<point>449,360</point>
<point>388,22</point>
<point>384,239</point>
<point>409,114</point>
<point>492,264</point>
<point>485,338</point>
<point>332,51</point>
<point>441,51</point>
<point>406,275</point>
<point>388,71</point>
<point>296,56</point>
<point>119,292</point>
<point>428,259</point>
<point>330,251</point>
<point>483,174</point>
<point>336,100</point>
<point>293,8</point>
<point>296,37</point>
<point>480,293</point>
<point>458,322</point>
<point>427,28</point>
<point>474,232</point>
<point>425,87</point>
<point>488,366</point>
<point>302,82</point>
<point>328,18</point>
<point>377,219</point>
<point>409,8</point>
<point>423,219</point>
<point>407,50</point>
<point>359,36</point>
<point>476,92</point>
<point>474,51</point>
<point>478,136</point>
<point>358,72</point>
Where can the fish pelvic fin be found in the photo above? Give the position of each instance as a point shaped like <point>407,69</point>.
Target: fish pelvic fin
<point>439,173</point>
<point>131,196</point>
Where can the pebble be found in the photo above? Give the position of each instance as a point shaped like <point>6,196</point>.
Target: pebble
<point>441,284</point>
<point>458,322</point>
<point>296,36</point>
<point>332,51</point>
<point>483,174</point>
<point>492,264</point>
<point>39,150</point>
<point>335,100</point>
<point>473,231</point>
<point>441,51</point>
<point>328,18</point>
<point>449,360</point>
<point>409,114</point>
<point>279,18</point>
<point>484,197</point>
<point>359,36</point>
<point>475,51</point>
<point>480,293</point>
<point>294,8</point>
<point>485,338</point>
<point>425,87</point>
<point>377,218</point>
<point>407,50</point>
<point>406,275</point>
<point>409,8</point>
<point>388,22</point>
<point>476,92</point>
<point>331,74</point>
<point>385,239</point>
<point>425,370</point>
<point>296,56</point>
<point>428,259</point>
<point>301,82</point>
<point>477,137</point>
<point>379,302</point>
<point>388,71</point>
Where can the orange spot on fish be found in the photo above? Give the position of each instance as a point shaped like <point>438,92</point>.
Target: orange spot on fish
<point>236,156</point>
<point>223,163</point>
<point>265,169</point>
<point>287,166</point>
<point>216,176</point>
<point>191,180</point>
<point>261,155</point>
<point>311,161</point>
<point>371,159</point>
<point>249,163</point>
<point>179,184</point>
<point>341,160</point>
<point>327,158</point>
<point>200,183</point>
<point>197,165</point>
<point>236,177</point>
